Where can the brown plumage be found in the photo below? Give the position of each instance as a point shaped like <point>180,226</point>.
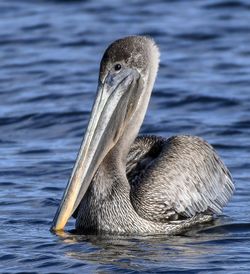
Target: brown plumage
<point>149,184</point>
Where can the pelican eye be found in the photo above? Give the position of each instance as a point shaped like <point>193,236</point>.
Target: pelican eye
<point>117,67</point>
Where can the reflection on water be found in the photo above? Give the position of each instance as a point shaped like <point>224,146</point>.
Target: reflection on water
<point>50,53</point>
<point>189,252</point>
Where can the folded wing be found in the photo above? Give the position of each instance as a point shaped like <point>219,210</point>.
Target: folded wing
<point>176,178</point>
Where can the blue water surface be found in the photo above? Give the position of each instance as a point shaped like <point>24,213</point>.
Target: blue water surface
<point>49,60</point>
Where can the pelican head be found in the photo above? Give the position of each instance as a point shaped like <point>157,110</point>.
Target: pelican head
<point>127,73</point>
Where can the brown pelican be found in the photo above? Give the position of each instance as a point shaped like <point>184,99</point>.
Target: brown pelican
<point>144,185</point>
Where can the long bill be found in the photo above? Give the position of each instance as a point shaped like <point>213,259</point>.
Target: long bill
<point>107,120</point>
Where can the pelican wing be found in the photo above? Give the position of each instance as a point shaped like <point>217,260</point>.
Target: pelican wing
<point>176,178</point>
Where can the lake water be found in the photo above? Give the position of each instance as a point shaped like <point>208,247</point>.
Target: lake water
<point>49,61</point>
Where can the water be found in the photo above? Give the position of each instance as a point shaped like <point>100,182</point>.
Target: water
<point>50,53</point>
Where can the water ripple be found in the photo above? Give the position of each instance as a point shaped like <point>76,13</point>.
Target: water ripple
<point>49,67</point>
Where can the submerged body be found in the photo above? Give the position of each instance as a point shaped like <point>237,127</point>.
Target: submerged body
<point>128,185</point>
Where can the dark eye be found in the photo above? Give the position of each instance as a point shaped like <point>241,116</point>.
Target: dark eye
<point>117,67</point>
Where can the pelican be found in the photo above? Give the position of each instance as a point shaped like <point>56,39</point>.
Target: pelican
<point>124,184</point>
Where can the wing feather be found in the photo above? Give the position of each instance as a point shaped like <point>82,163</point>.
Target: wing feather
<point>176,178</point>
